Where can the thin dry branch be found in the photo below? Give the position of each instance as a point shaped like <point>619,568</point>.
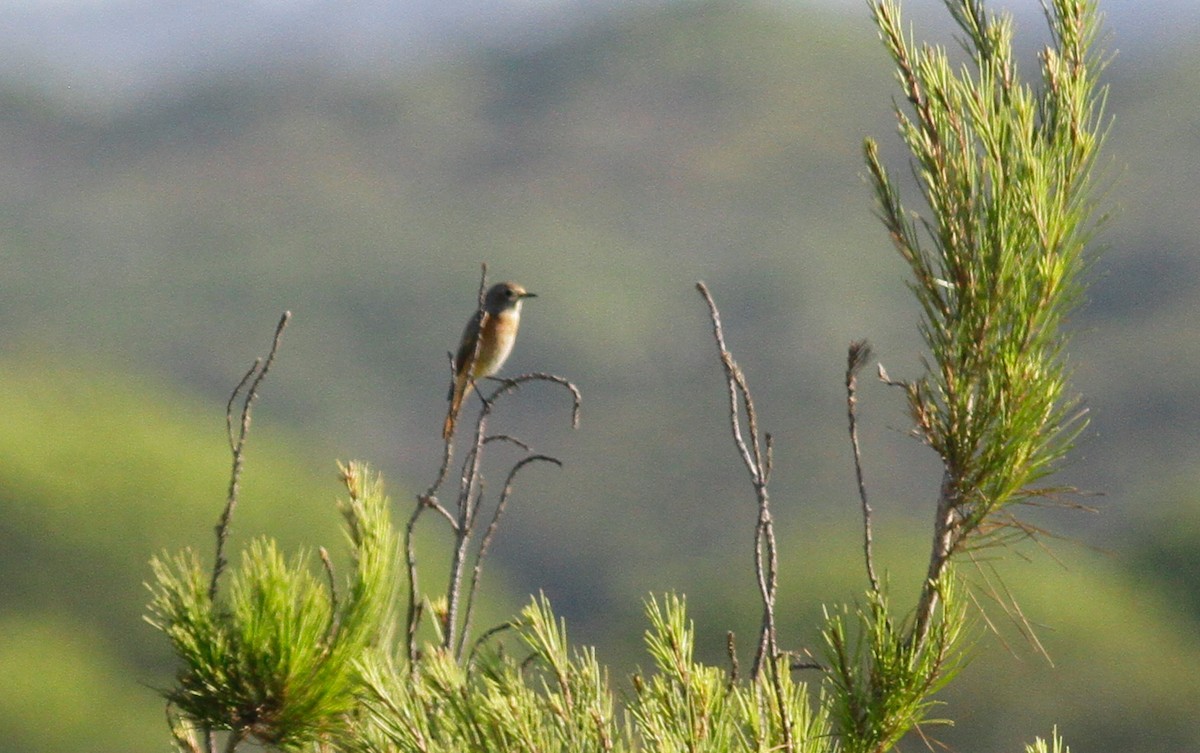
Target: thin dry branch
<point>413,616</point>
<point>482,283</point>
<point>758,464</point>
<point>254,377</point>
<point>507,438</point>
<point>484,638</point>
<point>444,468</point>
<point>234,438</point>
<point>470,494</point>
<point>511,384</point>
<point>767,567</point>
<point>736,381</point>
<point>489,534</point>
<point>731,652</point>
<point>856,357</point>
<point>808,662</point>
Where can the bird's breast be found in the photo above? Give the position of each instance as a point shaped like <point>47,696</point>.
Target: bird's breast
<point>498,333</point>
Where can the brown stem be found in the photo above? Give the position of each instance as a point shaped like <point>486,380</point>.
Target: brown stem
<point>857,356</point>
<point>413,616</point>
<point>468,500</point>
<point>490,534</point>
<point>238,445</point>
<point>758,464</point>
<point>946,532</point>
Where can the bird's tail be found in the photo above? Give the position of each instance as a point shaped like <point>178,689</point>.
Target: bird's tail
<point>457,392</point>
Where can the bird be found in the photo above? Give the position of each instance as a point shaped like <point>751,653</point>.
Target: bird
<point>486,342</point>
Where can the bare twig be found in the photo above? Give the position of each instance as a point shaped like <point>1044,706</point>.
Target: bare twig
<point>803,659</point>
<point>253,377</point>
<point>737,386</point>
<point>857,356</point>
<point>767,566</point>
<point>810,664</point>
<point>731,651</point>
<point>489,534</point>
<point>447,456</point>
<point>469,493</point>
<point>433,504</point>
<point>482,283</point>
<point>508,438</point>
<point>758,464</point>
<point>233,438</point>
<point>485,637</point>
<point>511,384</point>
<point>753,459</point>
<point>237,446</point>
<point>410,560</point>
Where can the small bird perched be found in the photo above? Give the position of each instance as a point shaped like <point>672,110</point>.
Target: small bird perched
<point>486,343</point>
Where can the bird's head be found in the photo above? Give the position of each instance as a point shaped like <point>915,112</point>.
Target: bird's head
<point>504,296</point>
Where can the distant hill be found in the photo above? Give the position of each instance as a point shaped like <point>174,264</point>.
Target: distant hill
<point>124,50</point>
<point>98,471</point>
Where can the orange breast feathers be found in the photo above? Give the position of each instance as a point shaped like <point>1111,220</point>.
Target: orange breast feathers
<point>497,335</point>
<point>486,344</point>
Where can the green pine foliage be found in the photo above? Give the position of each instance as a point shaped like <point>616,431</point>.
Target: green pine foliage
<point>686,705</point>
<point>1055,745</point>
<point>881,683</point>
<point>548,697</point>
<point>274,661</point>
<point>1005,170</point>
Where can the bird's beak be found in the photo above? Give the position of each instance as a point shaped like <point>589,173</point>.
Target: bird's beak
<point>529,295</point>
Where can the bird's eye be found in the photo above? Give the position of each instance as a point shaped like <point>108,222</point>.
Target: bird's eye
<point>510,293</point>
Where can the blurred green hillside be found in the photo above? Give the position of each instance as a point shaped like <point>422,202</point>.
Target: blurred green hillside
<point>99,470</point>
<point>148,249</point>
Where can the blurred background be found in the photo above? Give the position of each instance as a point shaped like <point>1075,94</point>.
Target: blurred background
<point>174,175</point>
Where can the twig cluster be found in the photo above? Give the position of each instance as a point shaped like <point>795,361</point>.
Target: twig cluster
<point>756,455</point>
